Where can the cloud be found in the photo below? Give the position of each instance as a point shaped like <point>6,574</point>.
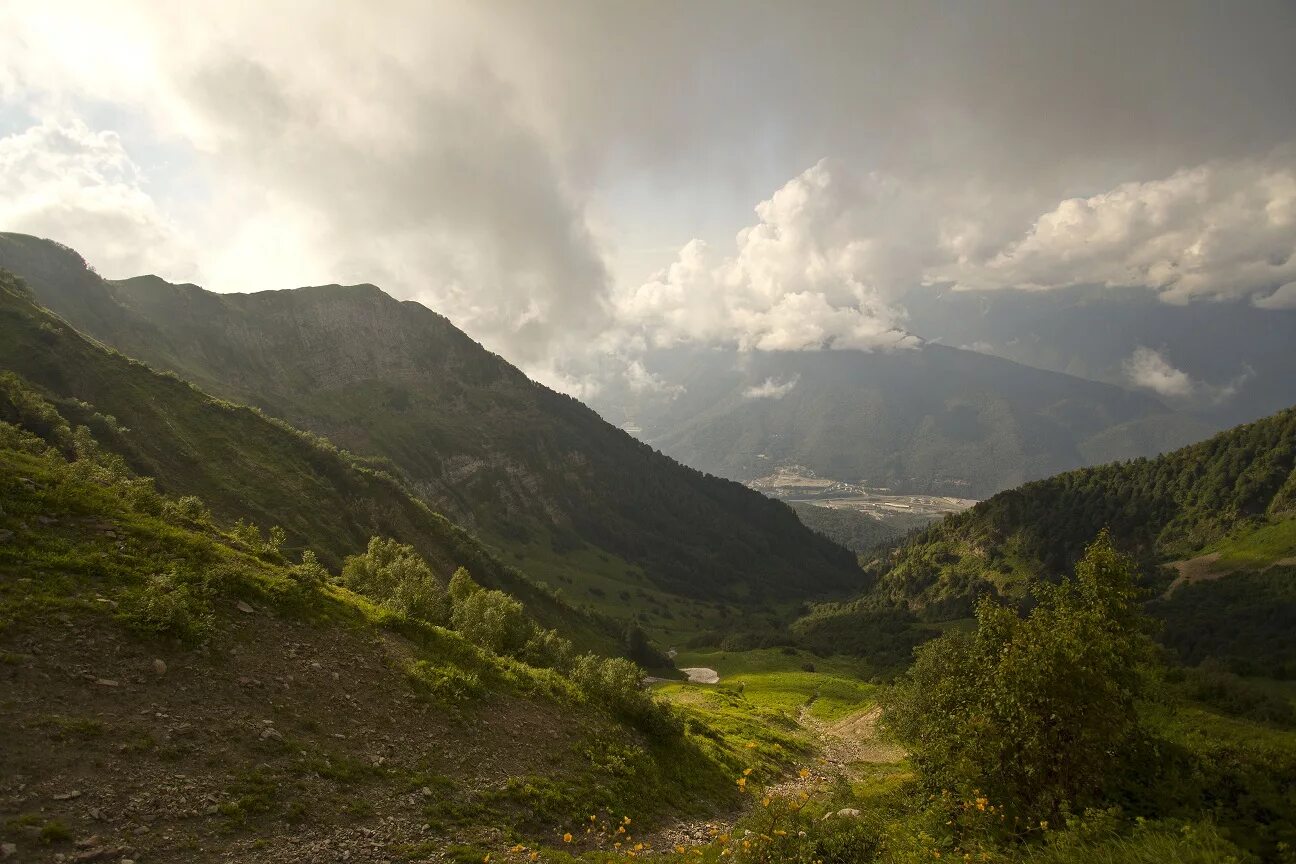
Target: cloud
<point>1218,230</point>
<point>1283,298</point>
<point>60,179</point>
<point>771,388</point>
<point>1150,370</point>
<point>640,380</point>
<point>502,163</point>
<point>814,272</point>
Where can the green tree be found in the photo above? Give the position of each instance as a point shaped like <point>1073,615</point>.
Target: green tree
<point>1035,713</point>
<point>397,577</point>
<point>493,620</point>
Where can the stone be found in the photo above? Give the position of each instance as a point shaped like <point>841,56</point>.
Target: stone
<point>8,850</point>
<point>245,608</point>
<point>848,813</point>
<point>159,667</point>
<point>108,682</point>
<point>68,796</point>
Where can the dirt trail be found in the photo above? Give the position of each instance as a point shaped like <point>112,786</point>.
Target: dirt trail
<point>844,746</point>
<point>1199,569</point>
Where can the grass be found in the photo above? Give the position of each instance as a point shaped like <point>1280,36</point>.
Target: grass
<point>1258,548</point>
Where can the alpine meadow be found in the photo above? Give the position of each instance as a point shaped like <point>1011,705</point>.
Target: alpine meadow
<point>576,432</point>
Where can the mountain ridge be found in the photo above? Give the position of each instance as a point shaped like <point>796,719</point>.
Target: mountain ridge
<point>521,464</point>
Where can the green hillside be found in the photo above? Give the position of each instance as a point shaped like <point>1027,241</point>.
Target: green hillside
<point>393,381</point>
<point>172,688</point>
<point>244,465</point>
<point>1212,525</point>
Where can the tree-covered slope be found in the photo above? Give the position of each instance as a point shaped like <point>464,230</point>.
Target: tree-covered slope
<point>243,464</point>
<point>930,419</point>
<point>471,434</point>
<point>1212,527</point>
<point>1158,509</point>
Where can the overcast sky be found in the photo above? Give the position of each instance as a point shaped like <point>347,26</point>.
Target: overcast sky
<point>566,178</point>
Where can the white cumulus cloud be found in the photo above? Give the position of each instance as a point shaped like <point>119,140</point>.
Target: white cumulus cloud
<point>816,271</point>
<point>771,388</point>
<point>62,180</point>
<point>1214,231</point>
<point>1150,370</point>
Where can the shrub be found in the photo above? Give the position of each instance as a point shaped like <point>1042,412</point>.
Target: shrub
<point>397,577</point>
<point>309,571</point>
<point>547,649</point>
<point>1037,713</point>
<point>167,606</point>
<point>188,510</point>
<point>445,683</point>
<point>492,620</point>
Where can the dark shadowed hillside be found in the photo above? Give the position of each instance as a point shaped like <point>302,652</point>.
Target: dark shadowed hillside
<point>243,464</point>
<point>396,382</point>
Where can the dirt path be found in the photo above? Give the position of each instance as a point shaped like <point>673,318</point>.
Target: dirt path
<point>845,746</point>
<point>1199,569</point>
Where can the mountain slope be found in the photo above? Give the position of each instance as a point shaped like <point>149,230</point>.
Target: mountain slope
<point>935,419</point>
<point>1159,509</point>
<point>172,694</point>
<point>472,435</point>
<point>245,465</point>
<point>1221,513</point>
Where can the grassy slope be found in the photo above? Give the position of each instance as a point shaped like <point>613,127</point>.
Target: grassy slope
<point>379,746</point>
<point>245,465</point>
<point>470,433</point>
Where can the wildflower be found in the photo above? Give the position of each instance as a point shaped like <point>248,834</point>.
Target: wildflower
<point>804,773</point>
<point>679,848</point>
<point>518,847</point>
<point>486,858</point>
<point>751,745</point>
<point>981,803</point>
<point>1043,824</point>
<point>593,817</point>
<point>534,856</point>
<point>766,802</point>
<point>742,783</point>
<point>747,772</point>
<point>779,832</point>
<point>567,838</point>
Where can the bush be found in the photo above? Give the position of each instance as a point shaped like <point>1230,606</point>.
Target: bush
<point>167,606</point>
<point>492,620</point>
<point>547,649</point>
<point>444,683</point>
<point>309,571</point>
<point>189,511</point>
<point>1036,714</point>
<point>394,575</point>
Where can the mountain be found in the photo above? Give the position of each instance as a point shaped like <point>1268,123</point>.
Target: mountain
<point>1237,357</point>
<point>1213,526</point>
<point>529,469</point>
<point>244,465</point>
<point>934,419</point>
<point>177,691</point>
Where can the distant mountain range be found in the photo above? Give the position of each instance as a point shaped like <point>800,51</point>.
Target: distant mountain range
<point>530,470</point>
<point>1237,359</point>
<point>930,419</point>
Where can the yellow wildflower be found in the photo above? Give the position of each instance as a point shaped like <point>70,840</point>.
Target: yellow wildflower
<point>567,838</point>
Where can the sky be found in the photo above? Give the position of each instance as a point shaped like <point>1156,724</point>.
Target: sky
<point>575,181</point>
